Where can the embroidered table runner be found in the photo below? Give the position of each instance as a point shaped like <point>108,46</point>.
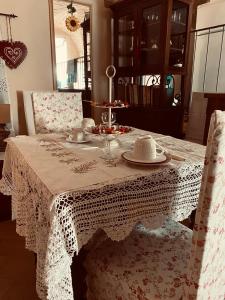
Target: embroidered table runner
<point>63,193</point>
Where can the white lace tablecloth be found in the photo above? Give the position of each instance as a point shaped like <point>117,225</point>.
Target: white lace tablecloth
<point>63,193</point>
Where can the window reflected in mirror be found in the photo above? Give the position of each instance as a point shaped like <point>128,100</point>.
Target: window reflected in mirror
<point>72,42</point>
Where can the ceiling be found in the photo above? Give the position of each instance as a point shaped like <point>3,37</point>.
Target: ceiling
<point>61,11</point>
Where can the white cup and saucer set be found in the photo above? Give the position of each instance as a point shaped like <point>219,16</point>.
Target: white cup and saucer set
<point>146,152</point>
<point>77,135</point>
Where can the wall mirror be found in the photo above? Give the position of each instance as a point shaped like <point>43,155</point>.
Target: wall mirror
<point>71,46</point>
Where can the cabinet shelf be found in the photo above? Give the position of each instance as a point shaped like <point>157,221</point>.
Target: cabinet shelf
<point>149,49</point>
<point>125,55</point>
<point>180,24</point>
<point>178,28</point>
<point>176,49</point>
<point>176,70</point>
<point>174,23</point>
<point>178,34</point>
<point>152,23</point>
<point>126,32</point>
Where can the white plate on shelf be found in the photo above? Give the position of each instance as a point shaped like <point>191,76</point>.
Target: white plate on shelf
<point>160,159</point>
<point>77,142</point>
<point>178,65</point>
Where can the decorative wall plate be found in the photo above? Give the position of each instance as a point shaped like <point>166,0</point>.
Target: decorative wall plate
<point>13,53</point>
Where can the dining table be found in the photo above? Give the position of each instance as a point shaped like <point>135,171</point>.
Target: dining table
<point>63,193</point>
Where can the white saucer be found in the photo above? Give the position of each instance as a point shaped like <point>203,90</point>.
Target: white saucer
<point>77,142</point>
<point>160,159</point>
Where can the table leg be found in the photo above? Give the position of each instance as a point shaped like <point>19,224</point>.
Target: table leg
<point>5,202</point>
<point>77,269</point>
<point>79,275</point>
<point>192,218</point>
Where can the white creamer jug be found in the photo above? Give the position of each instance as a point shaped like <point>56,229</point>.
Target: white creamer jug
<point>77,135</point>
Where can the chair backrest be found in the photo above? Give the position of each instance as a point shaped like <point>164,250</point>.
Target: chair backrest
<point>206,274</point>
<point>52,111</point>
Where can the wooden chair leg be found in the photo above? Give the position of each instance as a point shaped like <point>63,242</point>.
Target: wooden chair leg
<point>192,218</point>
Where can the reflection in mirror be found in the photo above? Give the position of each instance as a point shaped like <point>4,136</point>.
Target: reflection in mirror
<point>72,44</point>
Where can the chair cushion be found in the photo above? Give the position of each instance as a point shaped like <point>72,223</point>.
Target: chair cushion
<point>57,112</point>
<point>149,264</point>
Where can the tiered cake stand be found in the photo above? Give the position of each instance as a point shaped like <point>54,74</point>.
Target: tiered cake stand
<point>109,130</point>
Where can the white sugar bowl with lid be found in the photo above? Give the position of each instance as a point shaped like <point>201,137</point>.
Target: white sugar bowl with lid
<point>145,148</point>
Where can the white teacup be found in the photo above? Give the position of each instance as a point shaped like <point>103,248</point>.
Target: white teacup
<point>77,135</point>
<point>145,148</point>
<point>87,122</point>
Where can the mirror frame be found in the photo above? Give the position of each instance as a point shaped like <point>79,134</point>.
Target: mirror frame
<point>52,39</point>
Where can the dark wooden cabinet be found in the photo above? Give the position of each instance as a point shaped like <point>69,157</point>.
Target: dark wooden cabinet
<point>151,39</point>
<point>155,120</point>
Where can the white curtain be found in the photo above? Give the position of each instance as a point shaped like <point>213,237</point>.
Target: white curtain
<point>4,91</point>
<point>209,65</point>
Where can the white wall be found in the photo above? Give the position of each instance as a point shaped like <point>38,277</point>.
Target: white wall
<point>211,47</point>
<point>32,28</point>
<point>211,14</point>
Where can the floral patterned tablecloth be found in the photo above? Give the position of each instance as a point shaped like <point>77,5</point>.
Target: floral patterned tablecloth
<point>62,193</point>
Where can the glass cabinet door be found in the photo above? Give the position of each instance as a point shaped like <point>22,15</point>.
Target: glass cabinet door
<point>150,36</point>
<point>178,37</point>
<point>126,41</point>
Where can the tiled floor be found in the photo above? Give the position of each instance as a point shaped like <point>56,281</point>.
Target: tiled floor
<point>17,266</point>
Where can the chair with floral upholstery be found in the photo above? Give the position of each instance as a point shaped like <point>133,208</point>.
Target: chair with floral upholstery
<point>52,111</point>
<point>171,262</point>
